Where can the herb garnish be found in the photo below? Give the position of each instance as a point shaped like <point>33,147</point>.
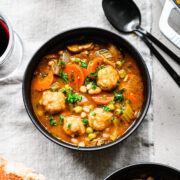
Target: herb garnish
<point>69,125</point>
<point>93,73</point>
<point>83,64</point>
<point>61,120</point>
<point>94,113</point>
<point>85,122</point>
<point>112,120</point>
<point>106,108</point>
<point>72,98</point>
<point>52,121</point>
<point>64,91</point>
<point>63,76</point>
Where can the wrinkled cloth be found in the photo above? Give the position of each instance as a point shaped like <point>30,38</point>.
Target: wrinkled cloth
<point>36,22</point>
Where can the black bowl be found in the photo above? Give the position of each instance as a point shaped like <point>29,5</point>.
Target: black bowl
<point>78,35</point>
<point>157,171</point>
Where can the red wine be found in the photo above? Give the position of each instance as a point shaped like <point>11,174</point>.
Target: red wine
<point>4,37</point>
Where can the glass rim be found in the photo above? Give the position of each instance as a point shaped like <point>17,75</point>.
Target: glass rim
<point>9,48</point>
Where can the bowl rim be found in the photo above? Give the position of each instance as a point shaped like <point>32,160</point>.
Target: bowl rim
<point>142,164</point>
<point>94,148</point>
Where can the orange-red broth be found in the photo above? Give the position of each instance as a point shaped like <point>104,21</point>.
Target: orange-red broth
<point>133,94</point>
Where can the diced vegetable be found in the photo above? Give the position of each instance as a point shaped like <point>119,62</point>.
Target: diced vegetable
<point>122,73</point>
<point>43,83</point>
<point>89,130</point>
<point>102,98</point>
<point>93,65</point>
<point>115,130</point>
<point>92,136</point>
<point>77,72</point>
<point>132,97</point>
<point>65,57</point>
<point>111,107</point>
<point>78,109</point>
<point>118,63</point>
<point>127,113</point>
<point>105,52</point>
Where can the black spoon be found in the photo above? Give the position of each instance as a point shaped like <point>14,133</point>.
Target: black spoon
<point>125,16</point>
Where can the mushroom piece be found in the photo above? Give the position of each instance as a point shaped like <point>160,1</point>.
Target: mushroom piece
<point>78,48</point>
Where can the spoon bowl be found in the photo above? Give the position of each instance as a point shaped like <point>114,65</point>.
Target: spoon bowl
<point>124,15</point>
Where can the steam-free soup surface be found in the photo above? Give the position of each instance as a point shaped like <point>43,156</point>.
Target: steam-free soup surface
<point>87,94</point>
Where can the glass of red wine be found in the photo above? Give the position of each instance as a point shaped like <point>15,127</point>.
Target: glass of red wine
<point>11,50</point>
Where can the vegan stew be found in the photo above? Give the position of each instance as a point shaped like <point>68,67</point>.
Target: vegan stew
<point>87,94</point>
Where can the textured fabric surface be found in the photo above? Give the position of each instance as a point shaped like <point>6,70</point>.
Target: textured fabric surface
<point>36,22</point>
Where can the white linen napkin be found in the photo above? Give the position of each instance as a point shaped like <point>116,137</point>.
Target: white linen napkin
<point>36,22</point>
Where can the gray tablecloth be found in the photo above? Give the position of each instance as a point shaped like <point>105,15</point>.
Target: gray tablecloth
<point>37,21</point>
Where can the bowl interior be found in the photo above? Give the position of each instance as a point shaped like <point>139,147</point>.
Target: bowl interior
<point>75,36</point>
<point>157,171</point>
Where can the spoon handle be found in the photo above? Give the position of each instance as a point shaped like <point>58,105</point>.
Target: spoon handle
<point>160,45</point>
<point>168,68</point>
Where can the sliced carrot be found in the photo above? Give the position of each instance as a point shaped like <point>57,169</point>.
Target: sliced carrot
<point>77,72</point>
<point>42,83</point>
<point>85,72</point>
<point>94,64</point>
<point>132,97</point>
<point>102,98</point>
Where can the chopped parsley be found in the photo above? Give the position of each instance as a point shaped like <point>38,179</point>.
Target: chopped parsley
<point>122,90</point>
<point>105,108</point>
<point>64,91</point>
<point>77,60</point>
<point>78,77</point>
<point>62,63</point>
<point>72,98</point>
<point>89,79</point>
<point>93,73</point>
<point>63,76</point>
<point>44,75</point>
<point>123,61</point>
<point>118,83</point>
<point>94,86</point>
<point>117,112</point>
<point>119,97</point>
<point>83,64</point>
<point>100,67</point>
<point>112,120</point>
<point>69,125</point>
<point>61,120</point>
<point>52,121</point>
<point>85,122</point>
<point>122,110</point>
<point>94,113</point>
